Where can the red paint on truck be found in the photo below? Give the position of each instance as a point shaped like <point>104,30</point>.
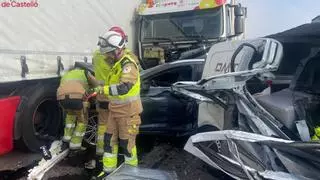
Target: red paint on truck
<point>8,107</point>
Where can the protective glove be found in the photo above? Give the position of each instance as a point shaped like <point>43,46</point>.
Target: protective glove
<point>98,89</point>
<point>88,92</point>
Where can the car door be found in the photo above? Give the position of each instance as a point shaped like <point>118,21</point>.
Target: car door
<point>163,110</point>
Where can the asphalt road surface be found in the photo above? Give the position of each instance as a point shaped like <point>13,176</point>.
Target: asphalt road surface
<point>156,153</point>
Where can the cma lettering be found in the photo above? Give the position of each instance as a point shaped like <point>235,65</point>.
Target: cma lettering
<point>224,67</point>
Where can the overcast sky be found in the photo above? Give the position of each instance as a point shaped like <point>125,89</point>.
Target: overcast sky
<point>271,16</point>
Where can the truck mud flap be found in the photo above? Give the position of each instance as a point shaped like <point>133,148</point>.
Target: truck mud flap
<point>17,123</point>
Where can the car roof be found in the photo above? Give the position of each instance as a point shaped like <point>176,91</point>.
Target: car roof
<point>171,64</point>
<point>89,67</point>
<point>305,33</point>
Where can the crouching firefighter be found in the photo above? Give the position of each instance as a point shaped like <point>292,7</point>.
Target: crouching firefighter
<point>71,94</point>
<point>123,91</point>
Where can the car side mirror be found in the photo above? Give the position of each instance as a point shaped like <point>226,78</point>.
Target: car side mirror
<point>240,14</point>
<point>239,10</point>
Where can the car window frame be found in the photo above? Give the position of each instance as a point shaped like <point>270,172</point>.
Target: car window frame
<point>171,69</point>
<point>197,71</point>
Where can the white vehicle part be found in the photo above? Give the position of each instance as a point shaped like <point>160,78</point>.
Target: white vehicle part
<point>129,172</point>
<point>213,117</point>
<point>280,176</point>
<point>217,62</point>
<point>236,135</point>
<point>303,130</point>
<point>43,166</point>
<point>218,67</point>
<point>239,136</point>
<point>265,130</point>
<point>207,119</point>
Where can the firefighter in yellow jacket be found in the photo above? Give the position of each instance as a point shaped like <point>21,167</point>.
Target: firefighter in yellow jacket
<point>70,94</point>
<point>102,65</point>
<point>123,92</point>
<point>102,68</point>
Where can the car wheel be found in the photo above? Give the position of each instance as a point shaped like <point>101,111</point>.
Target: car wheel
<point>90,137</point>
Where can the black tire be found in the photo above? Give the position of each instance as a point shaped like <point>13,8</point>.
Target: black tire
<point>41,116</point>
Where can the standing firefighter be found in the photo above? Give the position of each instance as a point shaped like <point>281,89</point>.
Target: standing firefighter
<point>70,94</point>
<point>123,92</point>
<point>102,66</point>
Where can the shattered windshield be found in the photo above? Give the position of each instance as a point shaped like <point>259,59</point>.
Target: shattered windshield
<point>183,25</point>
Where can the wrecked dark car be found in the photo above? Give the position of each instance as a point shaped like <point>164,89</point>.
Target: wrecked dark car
<point>265,106</point>
<point>164,112</point>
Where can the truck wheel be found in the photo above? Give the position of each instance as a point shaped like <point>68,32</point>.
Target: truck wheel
<point>41,117</point>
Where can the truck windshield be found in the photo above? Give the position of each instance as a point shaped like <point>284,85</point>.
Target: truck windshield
<point>182,25</point>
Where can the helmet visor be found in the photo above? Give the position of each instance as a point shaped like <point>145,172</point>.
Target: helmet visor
<point>105,47</point>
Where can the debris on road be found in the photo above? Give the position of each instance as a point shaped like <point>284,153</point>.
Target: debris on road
<point>56,155</point>
<point>17,159</point>
<point>130,172</point>
<point>167,156</point>
<point>159,154</point>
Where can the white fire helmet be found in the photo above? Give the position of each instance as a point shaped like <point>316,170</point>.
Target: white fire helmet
<point>110,41</point>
